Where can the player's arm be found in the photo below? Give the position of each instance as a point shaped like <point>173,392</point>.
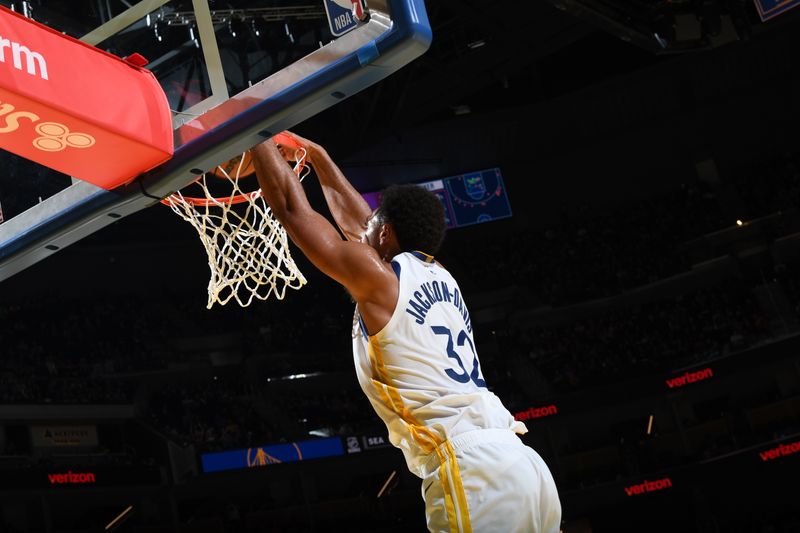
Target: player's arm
<point>355,265</point>
<point>348,207</point>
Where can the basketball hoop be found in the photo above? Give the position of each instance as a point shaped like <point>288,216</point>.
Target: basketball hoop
<point>248,249</point>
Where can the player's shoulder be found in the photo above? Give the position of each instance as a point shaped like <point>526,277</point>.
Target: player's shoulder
<point>366,269</point>
<point>419,260</point>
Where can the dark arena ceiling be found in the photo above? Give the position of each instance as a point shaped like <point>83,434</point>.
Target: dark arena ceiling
<point>485,55</point>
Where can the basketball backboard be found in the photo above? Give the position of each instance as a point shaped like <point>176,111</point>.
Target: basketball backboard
<point>233,76</point>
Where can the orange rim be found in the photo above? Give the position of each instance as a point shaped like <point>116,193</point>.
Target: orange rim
<point>280,138</point>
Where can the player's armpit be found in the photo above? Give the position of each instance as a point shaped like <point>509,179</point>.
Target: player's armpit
<point>355,265</point>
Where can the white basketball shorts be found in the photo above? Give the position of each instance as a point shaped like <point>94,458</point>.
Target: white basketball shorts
<point>488,481</point>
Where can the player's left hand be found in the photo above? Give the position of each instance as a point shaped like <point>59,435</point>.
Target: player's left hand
<point>290,153</point>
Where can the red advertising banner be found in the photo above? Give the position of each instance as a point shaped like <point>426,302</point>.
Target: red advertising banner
<point>689,377</point>
<point>536,412</point>
<point>77,109</point>
<point>79,477</point>
<point>648,486</point>
<point>779,451</point>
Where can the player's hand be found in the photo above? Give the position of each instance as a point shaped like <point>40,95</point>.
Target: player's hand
<point>290,153</point>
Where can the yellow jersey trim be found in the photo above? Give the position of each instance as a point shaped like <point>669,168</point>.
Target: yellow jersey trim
<point>456,508</point>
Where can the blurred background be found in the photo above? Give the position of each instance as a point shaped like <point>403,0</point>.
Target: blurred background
<point>637,305</point>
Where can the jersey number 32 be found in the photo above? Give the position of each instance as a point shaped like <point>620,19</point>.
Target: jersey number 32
<point>463,376</point>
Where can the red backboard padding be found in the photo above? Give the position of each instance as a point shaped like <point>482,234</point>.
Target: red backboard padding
<point>77,109</point>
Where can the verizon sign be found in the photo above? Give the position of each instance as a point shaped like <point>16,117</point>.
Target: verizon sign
<point>648,486</point>
<point>536,412</point>
<point>72,478</point>
<point>782,450</point>
<point>690,377</point>
<point>79,476</point>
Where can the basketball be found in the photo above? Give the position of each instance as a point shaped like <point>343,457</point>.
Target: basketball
<point>233,169</point>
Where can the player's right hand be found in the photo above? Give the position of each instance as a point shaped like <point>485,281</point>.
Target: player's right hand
<point>309,146</point>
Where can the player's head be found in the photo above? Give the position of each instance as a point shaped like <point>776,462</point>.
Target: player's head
<point>415,215</point>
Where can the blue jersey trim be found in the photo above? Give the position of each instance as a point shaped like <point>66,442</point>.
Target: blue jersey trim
<point>363,327</point>
<point>422,256</point>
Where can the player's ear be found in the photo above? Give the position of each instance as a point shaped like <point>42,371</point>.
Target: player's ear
<point>388,238</point>
<point>386,231</point>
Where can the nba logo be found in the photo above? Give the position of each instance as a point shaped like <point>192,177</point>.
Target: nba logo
<point>353,445</point>
<point>344,15</point>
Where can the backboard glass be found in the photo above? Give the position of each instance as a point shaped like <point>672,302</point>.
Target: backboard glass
<point>233,72</point>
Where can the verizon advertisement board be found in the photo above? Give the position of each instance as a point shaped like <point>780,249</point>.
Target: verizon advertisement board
<point>79,477</point>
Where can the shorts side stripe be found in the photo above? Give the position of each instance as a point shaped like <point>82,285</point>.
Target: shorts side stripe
<point>458,489</point>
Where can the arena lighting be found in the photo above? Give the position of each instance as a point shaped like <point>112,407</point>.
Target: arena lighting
<point>662,24</point>
<point>661,41</point>
<point>27,11</point>
<point>739,223</point>
<point>268,14</point>
<point>294,376</point>
<point>120,516</point>
<point>288,32</point>
<point>391,477</point>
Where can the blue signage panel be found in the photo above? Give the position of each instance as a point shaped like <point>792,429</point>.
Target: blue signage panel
<point>772,8</point>
<point>272,454</point>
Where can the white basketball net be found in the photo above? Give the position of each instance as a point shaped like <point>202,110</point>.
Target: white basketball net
<point>248,249</point>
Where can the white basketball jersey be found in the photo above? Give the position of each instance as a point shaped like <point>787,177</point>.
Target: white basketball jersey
<point>421,371</point>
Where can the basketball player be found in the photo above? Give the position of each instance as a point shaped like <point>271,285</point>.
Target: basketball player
<point>414,353</point>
